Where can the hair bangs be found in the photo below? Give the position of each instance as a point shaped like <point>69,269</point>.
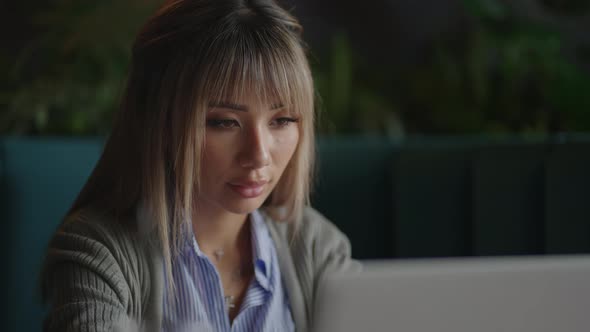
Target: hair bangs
<point>262,65</point>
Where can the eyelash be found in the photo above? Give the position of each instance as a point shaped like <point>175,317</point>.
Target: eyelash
<point>222,123</point>
<point>287,121</point>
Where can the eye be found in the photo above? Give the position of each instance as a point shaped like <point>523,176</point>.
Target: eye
<point>222,123</point>
<point>283,122</point>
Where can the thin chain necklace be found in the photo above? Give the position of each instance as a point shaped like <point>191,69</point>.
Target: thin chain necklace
<point>236,276</point>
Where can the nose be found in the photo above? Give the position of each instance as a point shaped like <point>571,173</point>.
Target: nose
<point>255,149</point>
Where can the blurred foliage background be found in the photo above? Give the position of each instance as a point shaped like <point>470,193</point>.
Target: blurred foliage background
<point>68,78</point>
<point>505,74</point>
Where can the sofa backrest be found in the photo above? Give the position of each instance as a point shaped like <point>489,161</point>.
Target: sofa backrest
<point>422,198</point>
<point>39,179</point>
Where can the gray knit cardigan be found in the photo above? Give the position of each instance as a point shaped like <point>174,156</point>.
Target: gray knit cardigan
<point>100,275</point>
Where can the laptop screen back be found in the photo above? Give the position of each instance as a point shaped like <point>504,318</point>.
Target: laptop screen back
<point>525,294</point>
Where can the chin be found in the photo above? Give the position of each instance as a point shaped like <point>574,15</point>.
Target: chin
<point>243,207</point>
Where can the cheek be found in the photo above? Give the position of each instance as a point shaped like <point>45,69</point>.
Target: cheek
<point>287,144</point>
<point>216,155</point>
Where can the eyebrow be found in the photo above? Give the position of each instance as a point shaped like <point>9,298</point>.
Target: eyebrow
<point>241,108</point>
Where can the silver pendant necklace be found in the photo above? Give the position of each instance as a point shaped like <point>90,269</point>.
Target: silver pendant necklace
<point>218,254</point>
<point>229,302</point>
<point>236,276</point>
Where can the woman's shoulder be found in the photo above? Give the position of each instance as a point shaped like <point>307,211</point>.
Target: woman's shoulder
<point>311,228</point>
<point>95,234</point>
<point>315,226</point>
<point>313,236</point>
<point>88,234</point>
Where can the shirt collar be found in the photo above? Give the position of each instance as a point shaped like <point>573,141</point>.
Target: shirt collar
<point>261,250</point>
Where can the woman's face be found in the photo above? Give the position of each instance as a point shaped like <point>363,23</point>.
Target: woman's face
<point>247,147</point>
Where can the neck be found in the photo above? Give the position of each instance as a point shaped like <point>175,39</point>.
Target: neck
<point>215,229</point>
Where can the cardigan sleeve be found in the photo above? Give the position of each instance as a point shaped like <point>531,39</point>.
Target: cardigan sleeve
<point>89,279</point>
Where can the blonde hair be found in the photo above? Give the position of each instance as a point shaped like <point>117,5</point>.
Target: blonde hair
<point>189,54</point>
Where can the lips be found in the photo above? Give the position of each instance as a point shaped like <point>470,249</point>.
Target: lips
<point>248,188</point>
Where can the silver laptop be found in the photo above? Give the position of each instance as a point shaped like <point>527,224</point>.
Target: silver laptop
<point>522,294</point>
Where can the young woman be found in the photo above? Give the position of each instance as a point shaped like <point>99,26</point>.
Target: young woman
<point>197,214</point>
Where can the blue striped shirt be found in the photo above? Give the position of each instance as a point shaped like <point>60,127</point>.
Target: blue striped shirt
<point>199,304</point>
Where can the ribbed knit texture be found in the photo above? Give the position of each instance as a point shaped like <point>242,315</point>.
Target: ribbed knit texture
<point>102,276</point>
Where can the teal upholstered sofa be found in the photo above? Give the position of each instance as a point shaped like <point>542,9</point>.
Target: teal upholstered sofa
<point>419,198</point>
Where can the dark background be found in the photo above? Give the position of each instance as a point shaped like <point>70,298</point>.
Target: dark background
<point>382,67</point>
